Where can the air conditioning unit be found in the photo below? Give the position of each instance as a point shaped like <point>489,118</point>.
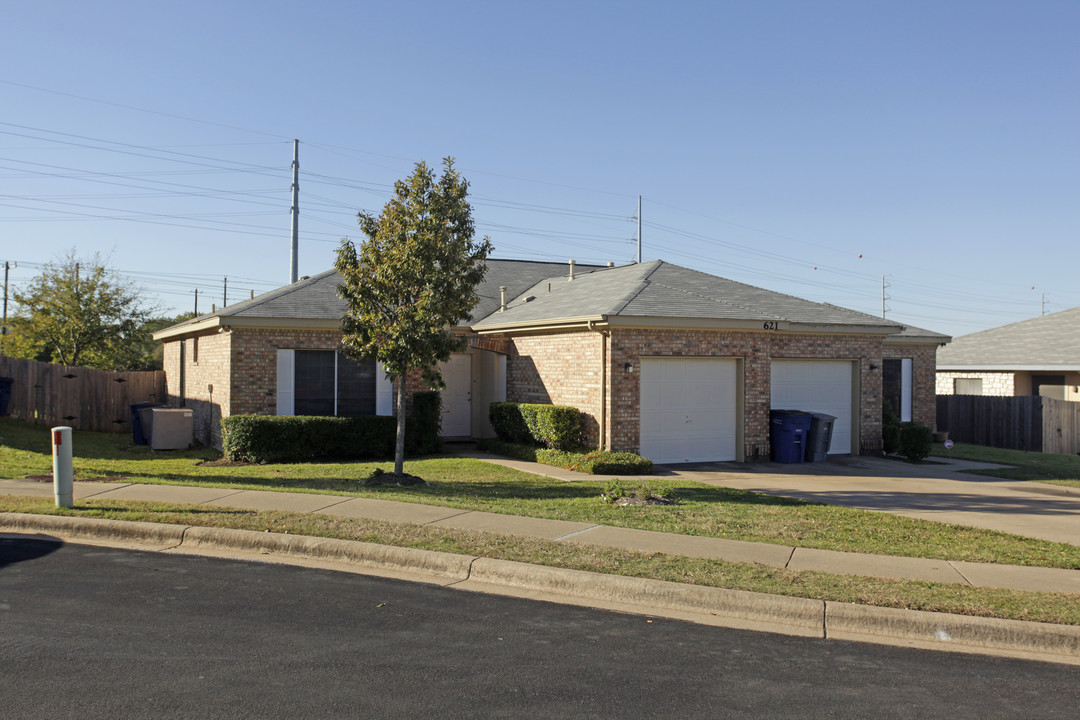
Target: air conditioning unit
<point>172,429</point>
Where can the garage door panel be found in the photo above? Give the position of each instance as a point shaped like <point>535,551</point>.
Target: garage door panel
<point>817,386</point>
<point>688,409</point>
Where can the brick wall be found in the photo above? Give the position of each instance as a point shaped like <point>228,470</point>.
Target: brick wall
<point>203,383</point>
<point>993,383</point>
<point>561,369</point>
<point>564,368</point>
<point>923,379</point>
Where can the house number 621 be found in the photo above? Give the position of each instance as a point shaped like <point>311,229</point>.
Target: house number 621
<point>772,325</point>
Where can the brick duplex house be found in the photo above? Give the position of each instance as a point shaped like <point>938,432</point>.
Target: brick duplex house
<point>672,363</point>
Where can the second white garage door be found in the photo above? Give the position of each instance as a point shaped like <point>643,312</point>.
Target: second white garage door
<point>822,386</point>
<point>688,409</point>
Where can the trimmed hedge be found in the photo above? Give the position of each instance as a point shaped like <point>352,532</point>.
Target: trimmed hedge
<point>297,438</point>
<point>596,462</point>
<point>422,424</point>
<point>301,438</point>
<point>553,426</point>
<point>916,441</point>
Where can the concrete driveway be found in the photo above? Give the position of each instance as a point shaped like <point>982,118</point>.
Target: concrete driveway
<point>934,490</point>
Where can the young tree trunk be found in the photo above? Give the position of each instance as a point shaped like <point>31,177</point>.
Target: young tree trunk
<point>399,445</point>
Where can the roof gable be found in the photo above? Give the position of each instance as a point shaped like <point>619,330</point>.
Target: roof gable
<point>1048,340</point>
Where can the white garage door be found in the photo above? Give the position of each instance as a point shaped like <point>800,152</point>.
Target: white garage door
<point>688,409</point>
<point>822,386</point>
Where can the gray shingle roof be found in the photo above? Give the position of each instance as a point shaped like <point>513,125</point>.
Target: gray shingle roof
<point>541,292</point>
<point>1047,341</point>
<point>661,290</point>
<point>316,298</point>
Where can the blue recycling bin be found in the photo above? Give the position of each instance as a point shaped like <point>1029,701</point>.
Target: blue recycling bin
<point>5,394</point>
<point>137,434</point>
<point>787,435</point>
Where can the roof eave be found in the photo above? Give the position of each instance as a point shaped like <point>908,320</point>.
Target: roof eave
<point>239,321</point>
<point>1008,367</point>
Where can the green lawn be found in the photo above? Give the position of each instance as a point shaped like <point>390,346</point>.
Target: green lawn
<point>1037,466</point>
<point>471,484</point>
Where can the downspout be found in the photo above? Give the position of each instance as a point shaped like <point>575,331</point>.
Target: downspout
<point>604,335</point>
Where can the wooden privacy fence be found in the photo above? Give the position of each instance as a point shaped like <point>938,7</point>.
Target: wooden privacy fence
<point>82,398</point>
<point>1027,422</point>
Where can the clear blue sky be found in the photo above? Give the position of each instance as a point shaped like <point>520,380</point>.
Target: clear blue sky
<point>804,147</point>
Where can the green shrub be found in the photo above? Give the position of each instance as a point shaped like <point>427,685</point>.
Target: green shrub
<point>295,438</point>
<point>915,441</point>
<point>890,429</point>
<point>422,425</point>
<point>553,426</point>
<point>508,423</point>
<point>596,462</point>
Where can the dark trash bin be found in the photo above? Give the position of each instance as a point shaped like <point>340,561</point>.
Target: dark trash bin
<point>137,434</point>
<point>787,435</point>
<point>819,436</point>
<point>5,394</point>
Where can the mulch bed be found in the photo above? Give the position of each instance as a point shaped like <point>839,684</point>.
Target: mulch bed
<point>640,499</point>
<point>403,479</point>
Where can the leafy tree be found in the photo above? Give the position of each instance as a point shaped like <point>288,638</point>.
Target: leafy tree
<point>411,281</point>
<point>80,313</point>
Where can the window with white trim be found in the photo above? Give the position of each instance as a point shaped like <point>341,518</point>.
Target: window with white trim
<point>896,380</point>
<point>326,382</point>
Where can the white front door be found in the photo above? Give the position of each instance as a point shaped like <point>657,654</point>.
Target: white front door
<point>689,408</point>
<point>457,396</point>
<point>822,386</point>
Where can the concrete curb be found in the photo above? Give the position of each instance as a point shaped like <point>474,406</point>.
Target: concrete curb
<point>716,606</point>
<point>845,621</point>
<point>776,613</point>
<point>445,566</point>
<point>144,533</point>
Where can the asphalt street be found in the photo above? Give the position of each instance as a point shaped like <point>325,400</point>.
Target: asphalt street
<point>92,632</point>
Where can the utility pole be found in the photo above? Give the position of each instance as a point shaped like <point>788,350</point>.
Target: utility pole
<point>639,229</point>
<point>225,293</point>
<point>1043,306</point>
<point>196,302</point>
<point>293,258</point>
<point>883,286</point>
<point>3,328</point>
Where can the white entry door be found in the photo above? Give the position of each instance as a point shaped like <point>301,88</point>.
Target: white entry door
<point>689,408</point>
<point>822,386</point>
<point>457,396</point>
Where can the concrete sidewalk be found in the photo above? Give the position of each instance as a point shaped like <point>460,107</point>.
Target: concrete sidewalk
<point>781,556</point>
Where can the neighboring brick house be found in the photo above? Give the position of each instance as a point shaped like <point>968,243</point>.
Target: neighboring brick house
<point>672,363</point>
<point>1031,357</point>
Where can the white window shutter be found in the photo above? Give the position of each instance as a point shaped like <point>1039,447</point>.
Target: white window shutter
<point>905,390</point>
<point>384,392</point>
<point>286,382</point>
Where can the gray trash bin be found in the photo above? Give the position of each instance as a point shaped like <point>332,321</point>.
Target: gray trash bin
<point>819,436</point>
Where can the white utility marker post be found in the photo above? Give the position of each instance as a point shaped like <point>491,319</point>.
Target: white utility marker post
<point>63,474</point>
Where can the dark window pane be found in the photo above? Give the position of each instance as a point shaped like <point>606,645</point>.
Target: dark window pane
<point>314,389</point>
<point>356,387</point>
<point>892,382</point>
